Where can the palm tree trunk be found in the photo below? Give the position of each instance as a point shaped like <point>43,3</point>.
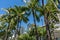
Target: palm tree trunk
<point>46,23</point>
<point>8,28</point>
<point>15,35</point>
<point>47,26</point>
<point>16,31</point>
<point>43,32</point>
<point>54,35</point>
<point>6,36</point>
<point>40,37</point>
<point>35,25</point>
<point>20,28</point>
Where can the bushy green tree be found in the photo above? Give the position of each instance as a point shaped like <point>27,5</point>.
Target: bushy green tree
<point>26,37</point>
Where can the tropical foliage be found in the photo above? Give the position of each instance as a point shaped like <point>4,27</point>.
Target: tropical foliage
<point>11,21</point>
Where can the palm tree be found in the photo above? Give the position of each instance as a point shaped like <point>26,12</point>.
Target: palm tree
<point>40,30</point>
<point>19,15</point>
<point>32,7</point>
<point>48,11</point>
<point>2,27</point>
<point>7,20</point>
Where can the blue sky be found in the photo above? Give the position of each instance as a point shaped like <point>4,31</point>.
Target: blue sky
<point>11,3</point>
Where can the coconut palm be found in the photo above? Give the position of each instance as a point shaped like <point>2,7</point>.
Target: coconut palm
<point>20,16</point>
<point>32,7</point>
<point>6,19</point>
<point>48,11</point>
<point>2,33</point>
<point>9,20</point>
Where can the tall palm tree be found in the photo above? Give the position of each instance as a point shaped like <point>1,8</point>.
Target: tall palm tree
<point>7,19</point>
<point>32,7</point>
<point>47,23</point>
<point>2,29</point>
<point>48,11</point>
<point>11,20</point>
<point>20,16</point>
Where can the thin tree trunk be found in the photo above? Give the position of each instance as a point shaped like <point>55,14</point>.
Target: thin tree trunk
<point>54,35</point>
<point>16,31</point>
<point>20,28</point>
<point>15,35</point>
<point>46,23</point>
<point>43,32</point>
<point>35,25</point>
<point>40,37</point>
<point>6,38</point>
<point>47,26</point>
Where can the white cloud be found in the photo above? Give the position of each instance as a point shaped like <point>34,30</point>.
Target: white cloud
<point>24,1</point>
